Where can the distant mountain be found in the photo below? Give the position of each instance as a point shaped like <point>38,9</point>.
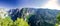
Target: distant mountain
<point>42,17</point>
<point>39,17</point>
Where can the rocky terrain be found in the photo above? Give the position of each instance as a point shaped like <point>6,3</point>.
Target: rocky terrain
<point>39,17</point>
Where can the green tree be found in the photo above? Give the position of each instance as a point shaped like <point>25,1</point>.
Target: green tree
<point>21,22</point>
<point>6,21</point>
<point>58,20</point>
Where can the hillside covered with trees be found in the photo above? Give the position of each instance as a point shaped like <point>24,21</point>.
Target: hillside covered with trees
<point>29,17</point>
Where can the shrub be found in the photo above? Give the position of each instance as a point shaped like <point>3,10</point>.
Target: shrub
<point>8,22</point>
<point>21,22</point>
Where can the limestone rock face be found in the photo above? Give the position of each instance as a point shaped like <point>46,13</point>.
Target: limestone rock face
<point>14,13</point>
<point>3,13</point>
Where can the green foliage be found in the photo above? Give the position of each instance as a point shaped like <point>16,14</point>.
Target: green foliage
<point>56,24</point>
<point>8,22</point>
<point>58,20</point>
<point>21,22</point>
<point>58,17</point>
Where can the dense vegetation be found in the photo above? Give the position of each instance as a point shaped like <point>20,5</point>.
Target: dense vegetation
<point>8,22</point>
<point>58,19</point>
<point>30,17</point>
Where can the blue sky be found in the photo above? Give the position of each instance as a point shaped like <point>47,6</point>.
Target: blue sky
<point>50,4</point>
<point>22,3</point>
<point>8,3</point>
<point>32,3</point>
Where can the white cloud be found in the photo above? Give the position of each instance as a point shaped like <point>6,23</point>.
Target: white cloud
<point>51,4</point>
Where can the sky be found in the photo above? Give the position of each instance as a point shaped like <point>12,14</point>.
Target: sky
<point>52,4</point>
<point>32,3</point>
<point>10,4</point>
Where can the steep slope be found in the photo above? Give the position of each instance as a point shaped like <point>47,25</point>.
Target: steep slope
<point>36,17</point>
<point>42,17</point>
<point>14,13</point>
